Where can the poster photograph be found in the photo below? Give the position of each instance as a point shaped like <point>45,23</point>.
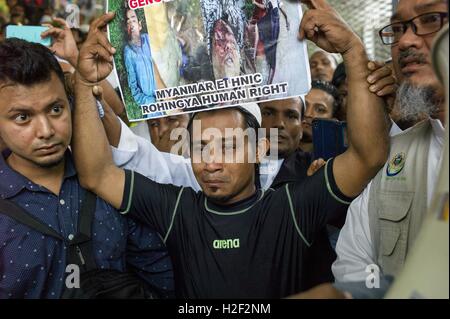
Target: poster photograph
<point>188,55</point>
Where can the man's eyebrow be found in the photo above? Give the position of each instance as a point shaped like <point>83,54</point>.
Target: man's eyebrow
<point>423,6</point>
<point>56,101</point>
<point>292,111</point>
<point>24,108</point>
<point>20,109</point>
<point>269,108</point>
<point>320,104</point>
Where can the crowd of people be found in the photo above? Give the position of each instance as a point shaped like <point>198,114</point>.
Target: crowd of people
<point>169,217</point>
<point>38,12</point>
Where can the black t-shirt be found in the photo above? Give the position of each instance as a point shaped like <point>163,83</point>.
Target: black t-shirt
<point>256,248</point>
<point>294,169</point>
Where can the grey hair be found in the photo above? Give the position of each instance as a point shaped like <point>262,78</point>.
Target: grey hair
<point>414,102</point>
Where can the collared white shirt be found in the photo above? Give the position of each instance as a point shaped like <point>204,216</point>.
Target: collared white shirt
<point>354,247</point>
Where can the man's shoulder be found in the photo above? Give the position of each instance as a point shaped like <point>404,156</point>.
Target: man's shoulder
<point>11,182</point>
<point>127,48</point>
<point>299,161</point>
<point>140,182</point>
<point>303,156</point>
<point>128,51</point>
<point>277,195</point>
<point>293,169</point>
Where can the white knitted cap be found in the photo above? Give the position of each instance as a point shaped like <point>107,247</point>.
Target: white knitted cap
<point>253,109</point>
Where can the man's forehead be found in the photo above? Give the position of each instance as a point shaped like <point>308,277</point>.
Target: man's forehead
<point>27,100</point>
<point>220,120</point>
<point>220,117</point>
<point>284,104</point>
<point>406,9</point>
<point>317,94</point>
<point>32,97</point>
<point>320,55</point>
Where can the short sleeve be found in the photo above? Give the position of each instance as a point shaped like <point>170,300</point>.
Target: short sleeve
<point>151,203</point>
<point>316,202</point>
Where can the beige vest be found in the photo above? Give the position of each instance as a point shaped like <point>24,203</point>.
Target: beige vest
<point>398,198</point>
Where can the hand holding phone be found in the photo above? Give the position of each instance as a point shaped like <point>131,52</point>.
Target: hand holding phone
<point>329,138</point>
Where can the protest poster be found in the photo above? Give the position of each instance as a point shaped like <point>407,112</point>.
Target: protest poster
<point>188,55</point>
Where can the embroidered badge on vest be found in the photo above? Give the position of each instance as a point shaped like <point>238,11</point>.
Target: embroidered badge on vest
<point>396,164</point>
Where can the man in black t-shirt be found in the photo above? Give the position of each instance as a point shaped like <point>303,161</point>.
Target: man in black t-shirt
<point>231,239</point>
<point>255,247</point>
<point>286,116</point>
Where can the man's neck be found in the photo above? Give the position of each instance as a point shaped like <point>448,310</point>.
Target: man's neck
<point>136,40</point>
<point>247,193</point>
<point>49,177</point>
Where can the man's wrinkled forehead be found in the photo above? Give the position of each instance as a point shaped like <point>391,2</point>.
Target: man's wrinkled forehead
<point>408,9</point>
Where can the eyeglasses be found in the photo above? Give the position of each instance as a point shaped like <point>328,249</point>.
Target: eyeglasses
<point>423,24</point>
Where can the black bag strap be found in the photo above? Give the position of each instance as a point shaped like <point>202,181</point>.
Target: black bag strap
<point>85,219</point>
<point>16,212</point>
<point>80,250</point>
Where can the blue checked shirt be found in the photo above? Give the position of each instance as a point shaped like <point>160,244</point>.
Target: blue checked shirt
<point>33,265</point>
<point>141,76</point>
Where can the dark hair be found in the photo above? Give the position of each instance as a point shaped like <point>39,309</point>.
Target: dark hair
<point>331,90</point>
<point>127,9</point>
<point>303,108</point>
<point>3,27</point>
<point>199,66</point>
<point>2,21</point>
<point>27,63</point>
<point>339,75</point>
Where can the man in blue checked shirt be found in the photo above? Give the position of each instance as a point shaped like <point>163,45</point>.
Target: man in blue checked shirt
<point>37,174</point>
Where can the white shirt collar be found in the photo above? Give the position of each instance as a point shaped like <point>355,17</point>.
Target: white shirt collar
<point>394,129</point>
<point>438,130</point>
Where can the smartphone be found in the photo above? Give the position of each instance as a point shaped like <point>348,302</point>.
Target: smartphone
<point>28,33</point>
<point>329,138</point>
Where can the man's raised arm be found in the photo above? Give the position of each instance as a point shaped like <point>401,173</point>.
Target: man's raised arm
<point>367,121</point>
<point>93,158</point>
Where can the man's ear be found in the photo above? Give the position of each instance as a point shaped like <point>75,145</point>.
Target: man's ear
<point>262,149</point>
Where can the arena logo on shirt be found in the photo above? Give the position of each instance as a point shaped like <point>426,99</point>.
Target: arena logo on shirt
<point>226,243</point>
<point>136,4</point>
